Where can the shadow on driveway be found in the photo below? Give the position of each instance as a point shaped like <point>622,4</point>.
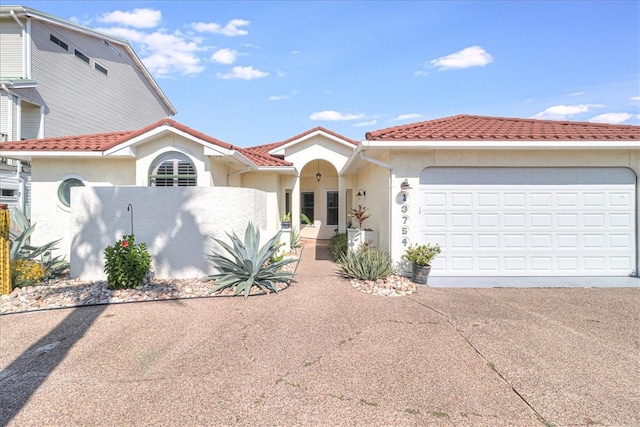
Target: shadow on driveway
<point>20,380</point>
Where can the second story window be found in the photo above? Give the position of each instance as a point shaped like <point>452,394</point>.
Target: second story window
<point>58,42</point>
<point>101,68</point>
<point>82,56</point>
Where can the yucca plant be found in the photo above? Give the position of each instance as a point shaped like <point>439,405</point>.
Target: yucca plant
<point>248,264</point>
<point>365,264</point>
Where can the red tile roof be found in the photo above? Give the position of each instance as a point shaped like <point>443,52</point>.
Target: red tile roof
<point>268,147</point>
<point>262,159</point>
<point>101,141</point>
<point>474,128</point>
<point>93,142</point>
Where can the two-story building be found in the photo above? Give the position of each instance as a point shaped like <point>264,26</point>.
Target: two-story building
<point>60,78</point>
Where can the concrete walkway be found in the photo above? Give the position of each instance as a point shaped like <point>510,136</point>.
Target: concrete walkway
<point>322,353</point>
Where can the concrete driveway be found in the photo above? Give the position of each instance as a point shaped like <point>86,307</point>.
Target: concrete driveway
<point>322,353</point>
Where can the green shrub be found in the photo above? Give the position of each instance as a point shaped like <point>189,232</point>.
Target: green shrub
<point>338,245</point>
<point>421,255</point>
<point>249,264</point>
<point>365,264</point>
<point>126,263</point>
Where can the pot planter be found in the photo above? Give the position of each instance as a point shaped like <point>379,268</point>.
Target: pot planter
<point>285,224</point>
<point>421,273</point>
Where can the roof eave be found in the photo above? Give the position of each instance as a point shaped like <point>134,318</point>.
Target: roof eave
<point>503,144</point>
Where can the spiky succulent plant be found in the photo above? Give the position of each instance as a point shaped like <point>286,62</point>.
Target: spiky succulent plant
<point>365,264</point>
<point>248,264</point>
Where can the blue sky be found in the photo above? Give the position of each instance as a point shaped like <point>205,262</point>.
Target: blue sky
<point>257,72</point>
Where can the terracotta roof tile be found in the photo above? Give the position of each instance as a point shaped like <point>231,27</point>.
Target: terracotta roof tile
<point>474,128</point>
<point>93,142</point>
<point>268,147</point>
<point>262,159</point>
<point>101,141</point>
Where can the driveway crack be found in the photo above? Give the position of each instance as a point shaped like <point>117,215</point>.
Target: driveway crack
<point>489,363</point>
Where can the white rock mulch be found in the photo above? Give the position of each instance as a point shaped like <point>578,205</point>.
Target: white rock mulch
<point>392,286</point>
<point>64,293</point>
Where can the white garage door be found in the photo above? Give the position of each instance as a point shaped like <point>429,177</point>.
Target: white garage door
<point>530,221</point>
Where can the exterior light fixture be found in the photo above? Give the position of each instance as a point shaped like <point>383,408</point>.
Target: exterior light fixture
<point>361,192</point>
<point>405,187</point>
<point>318,175</point>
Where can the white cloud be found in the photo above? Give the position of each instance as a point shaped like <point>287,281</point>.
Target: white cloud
<point>562,112</point>
<point>230,30</point>
<point>613,118</point>
<point>406,117</point>
<point>369,123</point>
<point>224,56</point>
<point>137,18</point>
<point>163,53</point>
<point>634,99</point>
<point>576,94</point>
<point>295,52</point>
<point>243,73</point>
<point>283,97</point>
<point>420,73</point>
<point>473,56</point>
<point>335,116</point>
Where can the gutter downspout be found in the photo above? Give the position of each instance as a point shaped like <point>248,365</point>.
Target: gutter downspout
<point>15,18</point>
<point>389,204</point>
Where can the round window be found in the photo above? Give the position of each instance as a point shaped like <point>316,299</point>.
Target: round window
<point>64,190</point>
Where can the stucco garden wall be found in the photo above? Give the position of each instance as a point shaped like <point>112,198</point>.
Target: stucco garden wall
<point>176,223</point>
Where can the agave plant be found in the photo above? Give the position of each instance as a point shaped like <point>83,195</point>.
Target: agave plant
<point>22,250</point>
<point>248,264</point>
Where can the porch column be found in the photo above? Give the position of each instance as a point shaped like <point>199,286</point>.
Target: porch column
<point>342,204</point>
<point>295,203</point>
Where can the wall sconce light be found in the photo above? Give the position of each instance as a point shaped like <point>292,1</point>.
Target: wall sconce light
<point>361,192</point>
<point>405,187</point>
<point>318,175</point>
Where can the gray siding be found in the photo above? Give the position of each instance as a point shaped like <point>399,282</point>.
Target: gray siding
<point>30,121</point>
<point>4,116</point>
<point>10,49</point>
<point>79,98</point>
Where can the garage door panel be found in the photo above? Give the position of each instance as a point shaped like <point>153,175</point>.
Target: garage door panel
<point>546,221</point>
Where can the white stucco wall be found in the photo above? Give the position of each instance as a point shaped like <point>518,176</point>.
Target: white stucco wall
<point>410,163</point>
<point>52,219</point>
<point>176,223</point>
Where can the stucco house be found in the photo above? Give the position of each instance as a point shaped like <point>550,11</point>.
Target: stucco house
<point>504,197</point>
<point>60,78</point>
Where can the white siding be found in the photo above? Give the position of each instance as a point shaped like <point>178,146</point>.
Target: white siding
<point>30,120</point>
<point>5,107</point>
<point>79,98</point>
<point>10,49</point>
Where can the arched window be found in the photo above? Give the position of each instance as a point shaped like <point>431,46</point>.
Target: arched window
<point>173,170</point>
